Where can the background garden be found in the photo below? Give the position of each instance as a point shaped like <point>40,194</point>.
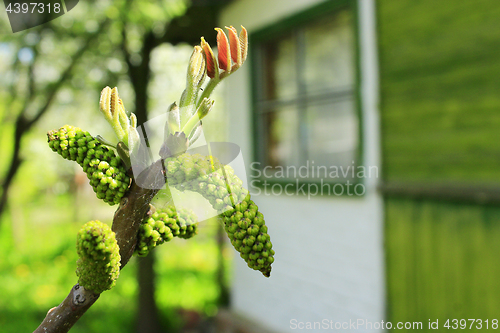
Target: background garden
<point>52,75</point>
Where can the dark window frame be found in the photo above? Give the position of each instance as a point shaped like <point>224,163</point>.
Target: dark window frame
<point>284,27</point>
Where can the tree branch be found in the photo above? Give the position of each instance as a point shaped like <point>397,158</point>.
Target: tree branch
<point>126,53</point>
<point>126,222</point>
<point>61,318</point>
<point>15,162</point>
<point>66,73</point>
<point>133,208</point>
<point>23,125</point>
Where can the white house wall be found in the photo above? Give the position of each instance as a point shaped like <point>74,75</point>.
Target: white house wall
<point>329,262</point>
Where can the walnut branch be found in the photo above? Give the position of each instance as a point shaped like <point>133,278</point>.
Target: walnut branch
<point>61,318</point>
<point>133,208</point>
<point>126,222</point>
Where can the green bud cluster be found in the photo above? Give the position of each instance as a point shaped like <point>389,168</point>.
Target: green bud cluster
<point>104,169</point>
<point>218,184</point>
<point>98,265</point>
<point>163,225</point>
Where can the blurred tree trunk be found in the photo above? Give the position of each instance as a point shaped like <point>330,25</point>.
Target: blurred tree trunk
<point>202,19</point>
<point>139,74</point>
<point>148,319</point>
<point>224,297</point>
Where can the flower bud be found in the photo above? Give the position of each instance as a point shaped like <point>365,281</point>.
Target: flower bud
<point>244,43</point>
<point>196,68</point>
<point>204,108</point>
<point>243,222</point>
<point>98,265</point>
<point>104,104</point>
<point>212,66</point>
<point>163,226</point>
<point>195,76</point>
<point>235,46</point>
<point>134,139</point>
<point>173,123</point>
<point>106,173</point>
<point>113,110</point>
<point>224,51</point>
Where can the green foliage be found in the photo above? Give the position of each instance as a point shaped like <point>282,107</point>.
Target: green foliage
<point>439,74</point>
<point>218,184</point>
<point>442,261</point>
<point>38,269</point>
<point>98,265</point>
<point>104,169</point>
<point>163,226</point>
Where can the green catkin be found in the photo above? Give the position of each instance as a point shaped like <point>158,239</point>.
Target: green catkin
<point>163,225</point>
<point>243,222</point>
<point>104,169</point>
<point>98,265</point>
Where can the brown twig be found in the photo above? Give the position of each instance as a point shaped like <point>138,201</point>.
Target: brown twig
<point>61,318</point>
<point>133,208</point>
<point>126,222</point>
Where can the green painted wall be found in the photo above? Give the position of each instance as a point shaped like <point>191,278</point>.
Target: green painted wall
<point>440,90</point>
<point>442,261</point>
<point>440,112</point>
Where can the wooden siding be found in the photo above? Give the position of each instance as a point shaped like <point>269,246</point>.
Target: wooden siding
<point>440,119</point>
<point>442,261</point>
<point>440,90</point>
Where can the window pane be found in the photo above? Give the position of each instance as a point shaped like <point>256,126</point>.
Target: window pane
<point>281,126</point>
<point>329,54</point>
<point>280,69</point>
<point>306,108</point>
<point>332,134</point>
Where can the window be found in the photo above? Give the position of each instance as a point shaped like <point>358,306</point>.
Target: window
<point>305,96</point>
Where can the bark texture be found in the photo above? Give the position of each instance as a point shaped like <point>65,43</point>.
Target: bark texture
<point>126,222</point>
<point>61,318</point>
